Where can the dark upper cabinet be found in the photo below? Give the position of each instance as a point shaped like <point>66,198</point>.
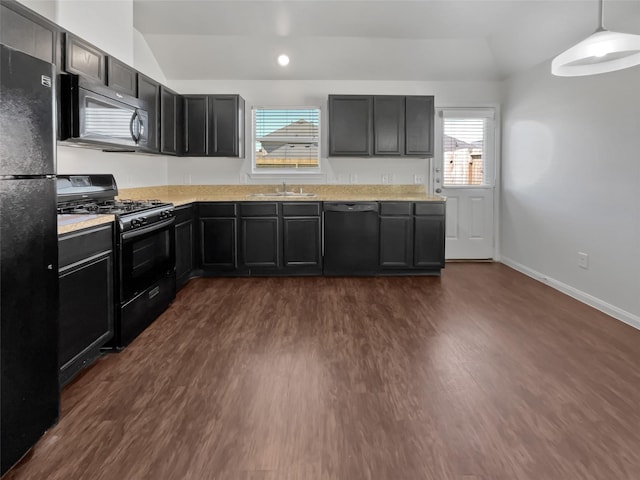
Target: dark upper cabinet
<point>185,241</point>
<point>350,125</point>
<point>419,117</point>
<point>429,238</point>
<point>381,125</point>
<point>195,125</point>
<point>149,93</point>
<point>388,124</point>
<point>213,126</point>
<point>23,30</point>
<point>84,59</point>
<point>226,126</point>
<point>218,227</point>
<point>170,119</point>
<point>121,77</point>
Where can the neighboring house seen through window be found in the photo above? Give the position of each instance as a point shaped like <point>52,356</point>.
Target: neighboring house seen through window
<point>286,140</point>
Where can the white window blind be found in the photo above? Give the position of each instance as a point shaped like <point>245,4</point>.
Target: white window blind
<point>466,147</point>
<point>286,138</point>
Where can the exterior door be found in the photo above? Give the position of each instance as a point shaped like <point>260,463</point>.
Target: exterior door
<point>464,172</point>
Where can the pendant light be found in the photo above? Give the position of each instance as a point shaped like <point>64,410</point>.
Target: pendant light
<point>603,51</point>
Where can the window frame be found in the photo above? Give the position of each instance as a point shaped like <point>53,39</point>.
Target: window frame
<point>279,171</point>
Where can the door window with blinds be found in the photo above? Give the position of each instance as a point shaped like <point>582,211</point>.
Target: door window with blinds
<point>467,147</point>
<point>286,140</point>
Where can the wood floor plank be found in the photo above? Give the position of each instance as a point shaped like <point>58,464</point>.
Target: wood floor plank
<point>481,374</point>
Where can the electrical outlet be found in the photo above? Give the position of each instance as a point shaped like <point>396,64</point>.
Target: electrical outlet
<point>418,179</point>
<point>353,178</point>
<point>385,179</point>
<point>583,260</point>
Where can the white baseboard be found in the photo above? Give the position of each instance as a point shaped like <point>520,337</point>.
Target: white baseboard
<point>611,310</point>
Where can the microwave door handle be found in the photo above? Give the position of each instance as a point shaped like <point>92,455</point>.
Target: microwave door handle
<point>133,119</point>
<point>140,128</point>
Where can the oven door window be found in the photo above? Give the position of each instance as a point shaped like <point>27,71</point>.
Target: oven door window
<point>145,260</point>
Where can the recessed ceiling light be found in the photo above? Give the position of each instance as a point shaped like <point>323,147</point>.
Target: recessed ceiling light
<point>283,60</point>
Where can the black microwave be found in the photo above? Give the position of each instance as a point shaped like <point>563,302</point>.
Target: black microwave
<point>96,116</point>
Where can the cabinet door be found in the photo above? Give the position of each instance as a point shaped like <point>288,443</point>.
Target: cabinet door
<point>28,35</point>
<point>428,247</point>
<point>121,77</point>
<point>195,125</point>
<point>184,251</point>
<point>419,125</point>
<point>260,242</point>
<point>388,125</point>
<point>396,241</point>
<point>168,121</point>
<point>86,309</point>
<point>302,245</point>
<point>149,93</point>
<point>218,243</point>
<point>84,59</point>
<point>350,125</point>
<point>223,126</point>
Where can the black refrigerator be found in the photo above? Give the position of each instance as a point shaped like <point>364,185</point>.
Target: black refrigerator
<point>29,392</point>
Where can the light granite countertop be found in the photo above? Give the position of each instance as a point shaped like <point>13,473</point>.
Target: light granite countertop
<point>72,223</point>
<point>184,194</point>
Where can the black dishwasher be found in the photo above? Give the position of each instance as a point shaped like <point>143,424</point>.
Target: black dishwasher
<point>351,238</point>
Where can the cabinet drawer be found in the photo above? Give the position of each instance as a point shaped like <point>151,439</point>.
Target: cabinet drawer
<point>301,209</point>
<point>261,209</point>
<point>217,209</point>
<point>79,245</point>
<point>430,208</point>
<point>395,208</point>
<point>183,214</point>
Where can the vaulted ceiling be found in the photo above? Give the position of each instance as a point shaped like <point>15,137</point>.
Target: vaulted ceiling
<point>373,39</point>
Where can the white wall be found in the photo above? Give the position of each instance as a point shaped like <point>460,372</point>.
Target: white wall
<point>143,59</point>
<point>130,169</point>
<point>571,183</point>
<point>108,24</point>
<point>315,93</point>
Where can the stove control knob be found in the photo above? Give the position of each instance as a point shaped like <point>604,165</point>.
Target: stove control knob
<point>136,222</point>
<point>166,214</point>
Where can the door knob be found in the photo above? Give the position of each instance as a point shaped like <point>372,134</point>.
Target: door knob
<point>438,190</point>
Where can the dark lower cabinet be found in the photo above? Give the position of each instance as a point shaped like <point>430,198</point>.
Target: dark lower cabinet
<point>428,249</point>
<point>185,239</point>
<point>412,237</point>
<point>286,238</point>
<point>396,235</point>
<point>302,238</point>
<point>86,277</point>
<point>260,236</point>
<point>218,227</point>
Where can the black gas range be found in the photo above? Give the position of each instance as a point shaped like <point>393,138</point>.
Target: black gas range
<point>145,249</point>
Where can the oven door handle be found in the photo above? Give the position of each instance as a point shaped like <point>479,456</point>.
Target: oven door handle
<point>152,228</point>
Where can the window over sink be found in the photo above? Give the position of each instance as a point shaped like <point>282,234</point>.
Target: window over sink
<point>286,140</point>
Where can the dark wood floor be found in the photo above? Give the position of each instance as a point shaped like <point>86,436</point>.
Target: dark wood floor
<point>482,374</point>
